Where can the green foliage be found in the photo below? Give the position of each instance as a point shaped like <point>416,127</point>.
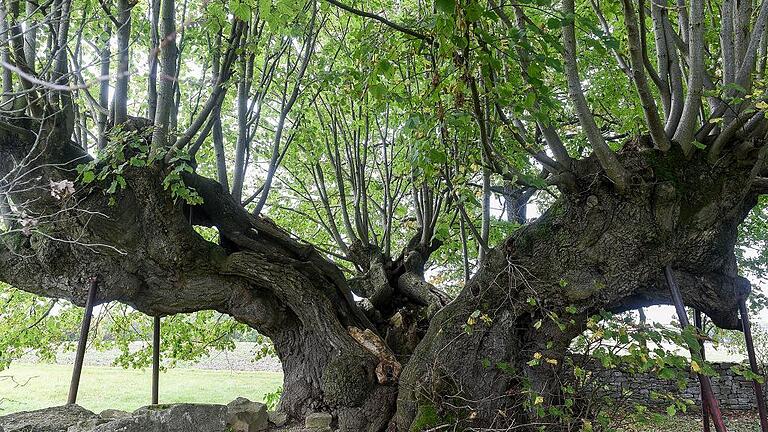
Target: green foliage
<point>30,323</point>
<point>381,118</point>
<point>129,149</point>
<point>752,252</point>
<point>427,417</point>
<point>174,182</point>
<point>273,398</point>
<point>615,342</point>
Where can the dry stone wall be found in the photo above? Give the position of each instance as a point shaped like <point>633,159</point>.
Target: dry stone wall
<point>733,391</point>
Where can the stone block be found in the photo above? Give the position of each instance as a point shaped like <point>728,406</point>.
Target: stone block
<point>246,416</point>
<point>318,421</point>
<point>278,418</point>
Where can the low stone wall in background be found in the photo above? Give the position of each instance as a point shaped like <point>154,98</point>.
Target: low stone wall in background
<point>733,391</point>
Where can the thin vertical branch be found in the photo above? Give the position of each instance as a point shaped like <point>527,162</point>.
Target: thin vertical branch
<point>662,55</point>
<point>307,50</point>
<point>218,134</point>
<point>741,23</point>
<point>486,213</point>
<point>5,56</point>
<point>675,78</point>
<point>222,73</point>
<point>30,35</point>
<point>622,62</point>
<point>551,137</point>
<point>661,86</point>
<point>744,74</point>
<point>120,98</point>
<point>727,48</point>
<point>686,127</point>
<point>104,84</point>
<point>154,39</point>
<point>165,97</point>
<point>650,110</point>
<point>607,158</point>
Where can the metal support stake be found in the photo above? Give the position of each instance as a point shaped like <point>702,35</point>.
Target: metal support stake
<point>753,364</point>
<point>156,361</point>
<point>707,395</point>
<point>704,407</point>
<point>82,343</point>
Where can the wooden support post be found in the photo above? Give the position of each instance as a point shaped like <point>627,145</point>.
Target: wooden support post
<point>707,395</point>
<point>85,327</point>
<point>753,364</point>
<point>156,361</point>
<point>697,321</point>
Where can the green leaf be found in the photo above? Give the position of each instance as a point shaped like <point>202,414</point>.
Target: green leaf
<point>137,162</point>
<point>88,176</point>
<point>473,12</point>
<point>554,23</point>
<point>446,6</point>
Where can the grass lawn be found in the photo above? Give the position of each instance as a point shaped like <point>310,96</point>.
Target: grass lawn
<point>35,386</point>
<point>734,422</point>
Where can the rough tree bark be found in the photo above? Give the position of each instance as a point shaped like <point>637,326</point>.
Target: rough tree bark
<point>593,250</point>
<point>398,299</point>
<point>408,353</point>
<point>262,277</point>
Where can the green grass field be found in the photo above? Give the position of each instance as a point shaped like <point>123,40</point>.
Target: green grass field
<point>36,386</point>
<point>735,422</point>
<point>41,385</point>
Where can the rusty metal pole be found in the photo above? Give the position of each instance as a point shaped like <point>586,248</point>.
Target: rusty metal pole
<point>707,395</point>
<point>85,327</point>
<point>753,364</point>
<point>697,321</point>
<point>156,361</point>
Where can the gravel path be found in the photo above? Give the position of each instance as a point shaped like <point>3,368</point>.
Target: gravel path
<point>240,359</point>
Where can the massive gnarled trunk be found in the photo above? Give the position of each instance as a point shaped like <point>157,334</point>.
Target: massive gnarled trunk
<point>145,252</point>
<point>594,249</point>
